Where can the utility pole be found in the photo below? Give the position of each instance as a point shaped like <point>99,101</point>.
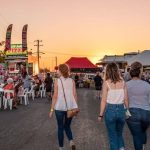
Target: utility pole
<point>38,52</point>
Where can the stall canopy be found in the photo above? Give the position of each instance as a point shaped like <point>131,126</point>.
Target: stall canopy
<point>80,63</point>
<point>143,57</point>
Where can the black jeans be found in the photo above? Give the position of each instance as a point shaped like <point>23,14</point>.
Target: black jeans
<point>64,124</point>
<point>138,124</point>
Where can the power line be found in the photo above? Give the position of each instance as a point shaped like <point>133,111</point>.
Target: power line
<point>69,54</point>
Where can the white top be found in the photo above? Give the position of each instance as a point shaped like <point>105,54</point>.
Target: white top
<point>115,96</point>
<point>68,89</point>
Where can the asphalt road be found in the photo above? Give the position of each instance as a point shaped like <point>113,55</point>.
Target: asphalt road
<point>29,127</point>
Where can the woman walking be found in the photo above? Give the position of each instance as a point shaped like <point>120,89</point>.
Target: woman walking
<point>114,101</point>
<point>64,98</point>
<point>139,105</point>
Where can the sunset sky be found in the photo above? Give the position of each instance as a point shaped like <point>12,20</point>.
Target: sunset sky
<point>91,28</point>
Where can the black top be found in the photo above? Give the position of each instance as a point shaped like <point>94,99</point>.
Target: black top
<point>98,80</point>
<point>48,83</point>
<point>76,77</point>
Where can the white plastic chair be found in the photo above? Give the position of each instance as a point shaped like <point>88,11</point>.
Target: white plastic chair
<point>24,97</point>
<point>31,92</point>
<point>42,90</point>
<point>7,100</point>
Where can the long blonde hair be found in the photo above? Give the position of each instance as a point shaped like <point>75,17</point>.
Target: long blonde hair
<point>112,73</point>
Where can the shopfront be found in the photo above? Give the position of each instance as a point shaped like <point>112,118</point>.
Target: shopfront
<point>16,58</point>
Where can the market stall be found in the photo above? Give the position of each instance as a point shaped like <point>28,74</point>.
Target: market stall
<point>16,58</point>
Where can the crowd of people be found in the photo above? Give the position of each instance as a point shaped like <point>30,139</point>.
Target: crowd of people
<point>18,84</point>
<point>124,99</point>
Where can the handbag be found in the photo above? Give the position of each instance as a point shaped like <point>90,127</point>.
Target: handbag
<point>70,112</point>
<point>128,114</point>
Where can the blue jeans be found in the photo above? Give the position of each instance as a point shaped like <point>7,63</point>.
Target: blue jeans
<point>115,121</point>
<point>64,124</point>
<point>138,124</point>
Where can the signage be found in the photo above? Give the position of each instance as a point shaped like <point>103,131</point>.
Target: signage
<point>16,50</point>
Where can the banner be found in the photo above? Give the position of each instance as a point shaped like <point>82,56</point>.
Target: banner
<point>8,38</point>
<point>24,37</point>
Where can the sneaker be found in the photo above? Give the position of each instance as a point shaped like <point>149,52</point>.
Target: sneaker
<point>61,148</point>
<point>72,145</point>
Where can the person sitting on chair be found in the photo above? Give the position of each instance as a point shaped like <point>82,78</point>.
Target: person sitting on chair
<point>10,86</point>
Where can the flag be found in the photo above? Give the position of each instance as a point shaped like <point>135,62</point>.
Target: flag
<point>8,37</point>
<point>24,37</point>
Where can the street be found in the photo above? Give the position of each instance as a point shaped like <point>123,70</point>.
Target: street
<point>29,127</point>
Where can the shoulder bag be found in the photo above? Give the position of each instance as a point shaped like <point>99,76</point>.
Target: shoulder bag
<point>70,112</point>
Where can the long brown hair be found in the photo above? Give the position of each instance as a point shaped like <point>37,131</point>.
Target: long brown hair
<point>64,70</point>
<point>112,73</point>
